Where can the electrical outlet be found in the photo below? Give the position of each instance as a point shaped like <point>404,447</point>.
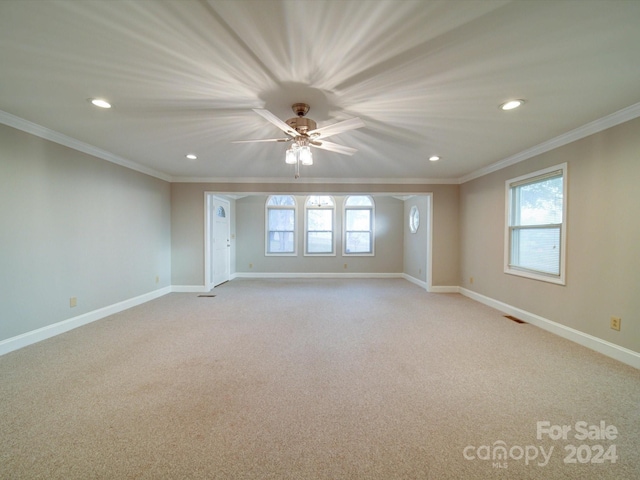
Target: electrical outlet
<point>251,265</point>
<point>345,265</point>
<point>157,278</point>
<point>615,323</point>
<point>470,279</point>
<point>73,302</point>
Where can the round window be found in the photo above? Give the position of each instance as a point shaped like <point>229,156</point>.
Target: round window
<point>414,219</point>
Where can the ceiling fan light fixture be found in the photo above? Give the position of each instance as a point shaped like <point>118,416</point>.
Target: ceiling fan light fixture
<point>290,157</point>
<point>511,104</point>
<point>306,157</point>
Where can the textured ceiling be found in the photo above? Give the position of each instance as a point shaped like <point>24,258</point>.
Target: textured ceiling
<point>425,76</point>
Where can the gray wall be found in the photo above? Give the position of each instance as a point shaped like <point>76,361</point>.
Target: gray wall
<point>446,235</point>
<point>72,225</point>
<point>445,268</point>
<point>415,251</point>
<point>603,235</point>
<point>187,234</point>
<point>251,241</point>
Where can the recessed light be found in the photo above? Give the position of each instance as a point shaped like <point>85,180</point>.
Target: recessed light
<point>191,156</point>
<point>434,158</point>
<point>511,104</point>
<point>99,102</point>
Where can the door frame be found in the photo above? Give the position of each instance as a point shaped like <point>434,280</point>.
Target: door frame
<point>209,200</point>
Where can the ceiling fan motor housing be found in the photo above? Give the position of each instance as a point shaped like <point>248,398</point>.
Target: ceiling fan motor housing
<point>301,124</point>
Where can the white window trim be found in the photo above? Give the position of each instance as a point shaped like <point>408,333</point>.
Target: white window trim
<point>267,207</point>
<point>333,228</point>
<point>372,209</point>
<point>521,272</point>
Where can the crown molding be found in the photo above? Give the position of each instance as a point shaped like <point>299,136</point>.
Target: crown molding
<point>291,180</point>
<point>53,136</point>
<point>616,118</point>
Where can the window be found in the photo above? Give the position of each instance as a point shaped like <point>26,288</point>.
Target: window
<point>414,219</point>
<point>358,225</point>
<point>281,225</point>
<point>319,223</point>
<point>536,220</point>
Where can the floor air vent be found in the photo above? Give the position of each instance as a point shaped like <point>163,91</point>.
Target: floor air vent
<point>207,296</point>
<point>517,320</point>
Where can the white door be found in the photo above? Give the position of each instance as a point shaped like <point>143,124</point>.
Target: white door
<point>221,241</point>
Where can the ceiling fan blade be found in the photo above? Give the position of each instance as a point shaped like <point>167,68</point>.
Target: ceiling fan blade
<point>336,128</point>
<point>333,147</point>
<point>276,121</point>
<point>264,140</point>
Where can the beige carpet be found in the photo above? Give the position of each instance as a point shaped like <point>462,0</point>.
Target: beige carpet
<point>313,379</point>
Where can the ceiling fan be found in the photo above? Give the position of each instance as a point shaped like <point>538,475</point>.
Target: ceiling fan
<point>303,132</point>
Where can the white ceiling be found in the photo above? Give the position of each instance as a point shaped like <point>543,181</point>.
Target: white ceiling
<point>425,76</point>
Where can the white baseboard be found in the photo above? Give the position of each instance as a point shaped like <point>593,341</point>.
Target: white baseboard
<point>189,289</point>
<point>409,278</point>
<point>34,336</point>
<point>415,281</point>
<point>316,275</point>
<point>609,349</point>
<point>431,288</point>
<point>444,289</point>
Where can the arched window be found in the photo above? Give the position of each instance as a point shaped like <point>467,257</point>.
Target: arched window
<point>359,216</point>
<point>280,224</point>
<point>319,213</point>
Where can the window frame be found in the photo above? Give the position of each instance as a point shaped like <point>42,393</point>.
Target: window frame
<point>267,231</point>
<point>331,208</point>
<point>511,227</point>
<point>372,232</point>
